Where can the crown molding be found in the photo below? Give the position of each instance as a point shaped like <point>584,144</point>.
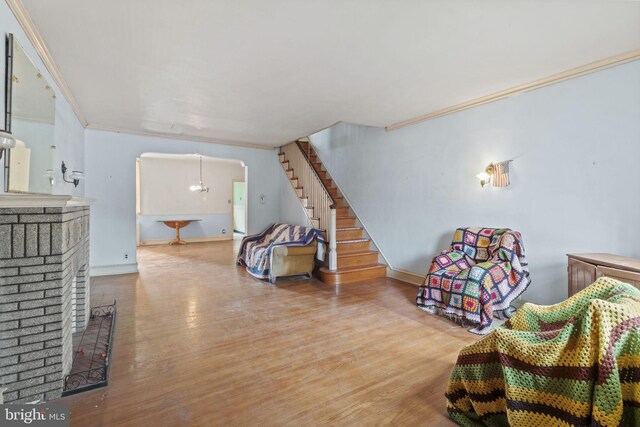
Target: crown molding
<point>192,138</point>
<point>21,14</point>
<point>546,81</point>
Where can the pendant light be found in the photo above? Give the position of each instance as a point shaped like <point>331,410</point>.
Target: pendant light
<point>201,188</point>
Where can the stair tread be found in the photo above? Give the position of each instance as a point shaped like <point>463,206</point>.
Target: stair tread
<point>355,253</point>
<point>348,228</point>
<point>355,268</point>
<point>353,241</point>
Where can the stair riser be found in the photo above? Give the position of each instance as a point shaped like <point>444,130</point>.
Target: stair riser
<point>333,191</point>
<point>353,247</point>
<point>352,277</point>
<point>342,211</point>
<point>348,234</point>
<point>358,260</point>
<point>289,174</point>
<point>345,222</point>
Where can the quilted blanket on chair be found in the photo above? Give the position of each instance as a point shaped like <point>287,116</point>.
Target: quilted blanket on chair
<point>576,363</point>
<point>255,251</point>
<point>478,278</point>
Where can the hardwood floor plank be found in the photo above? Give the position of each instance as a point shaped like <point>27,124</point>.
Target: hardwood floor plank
<point>200,342</point>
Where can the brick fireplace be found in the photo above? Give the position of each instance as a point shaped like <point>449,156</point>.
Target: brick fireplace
<point>44,256</point>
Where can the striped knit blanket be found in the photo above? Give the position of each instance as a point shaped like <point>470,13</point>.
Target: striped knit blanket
<point>576,363</point>
<point>255,251</point>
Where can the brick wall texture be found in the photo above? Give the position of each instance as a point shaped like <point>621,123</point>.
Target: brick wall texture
<point>41,251</point>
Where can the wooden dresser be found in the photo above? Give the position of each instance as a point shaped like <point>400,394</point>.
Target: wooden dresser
<point>584,269</point>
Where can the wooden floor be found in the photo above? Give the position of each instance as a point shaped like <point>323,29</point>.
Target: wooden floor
<point>200,342</point>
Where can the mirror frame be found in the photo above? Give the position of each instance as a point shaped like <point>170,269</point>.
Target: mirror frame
<point>8,87</point>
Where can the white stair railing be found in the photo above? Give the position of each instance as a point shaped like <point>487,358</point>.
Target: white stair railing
<point>320,205</point>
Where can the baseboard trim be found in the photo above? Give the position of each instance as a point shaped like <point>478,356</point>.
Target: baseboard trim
<point>112,270</point>
<point>186,239</point>
<point>405,276</point>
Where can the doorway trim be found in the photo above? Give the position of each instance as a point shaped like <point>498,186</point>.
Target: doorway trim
<point>246,206</point>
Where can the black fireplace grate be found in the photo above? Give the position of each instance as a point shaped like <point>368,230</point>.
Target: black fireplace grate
<point>90,368</point>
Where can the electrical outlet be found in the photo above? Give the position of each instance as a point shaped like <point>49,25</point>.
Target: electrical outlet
<point>126,256</point>
<point>224,231</point>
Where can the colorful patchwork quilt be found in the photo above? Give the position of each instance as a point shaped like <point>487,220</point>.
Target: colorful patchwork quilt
<point>255,251</point>
<point>478,278</point>
<point>576,363</point>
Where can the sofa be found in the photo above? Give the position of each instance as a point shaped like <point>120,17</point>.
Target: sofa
<point>280,250</point>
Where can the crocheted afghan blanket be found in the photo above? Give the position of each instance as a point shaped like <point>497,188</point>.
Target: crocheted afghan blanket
<point>255,251</point>
<point>576,363</point>
<point>478,278</point>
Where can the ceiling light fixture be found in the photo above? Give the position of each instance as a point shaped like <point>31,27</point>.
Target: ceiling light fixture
<point>201,188</point>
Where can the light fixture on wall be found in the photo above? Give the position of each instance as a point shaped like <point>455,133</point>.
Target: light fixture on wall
<point>49,175</point>
<point>497,173</point>
<point>485,177</point>
<point>7,141</point>
<point>73,178</point>
<point>200,187</point>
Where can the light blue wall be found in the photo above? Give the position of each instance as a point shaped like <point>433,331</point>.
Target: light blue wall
<point>575,175</point>
<point>69,133</point>
<point>110,179</point>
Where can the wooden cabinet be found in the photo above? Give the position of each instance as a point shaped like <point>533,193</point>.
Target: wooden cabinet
<point>584,269</point>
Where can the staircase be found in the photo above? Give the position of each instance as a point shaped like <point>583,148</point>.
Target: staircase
<point>353,259</point>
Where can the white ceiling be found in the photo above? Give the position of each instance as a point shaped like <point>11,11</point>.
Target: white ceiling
<point>267,72</point>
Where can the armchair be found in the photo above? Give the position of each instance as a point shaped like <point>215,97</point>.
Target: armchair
<point>477,278</point>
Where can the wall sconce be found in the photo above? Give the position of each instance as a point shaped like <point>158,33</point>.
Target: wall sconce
<point>49,175</point>
<point>74,176</point>
<point>497,173</point>
<point>485,177</point>
<point>7,141</point>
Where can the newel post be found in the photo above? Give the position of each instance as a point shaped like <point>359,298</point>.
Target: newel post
<point>333,254</point>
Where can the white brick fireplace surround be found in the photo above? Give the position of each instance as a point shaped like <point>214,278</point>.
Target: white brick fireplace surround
<point>44,246</point>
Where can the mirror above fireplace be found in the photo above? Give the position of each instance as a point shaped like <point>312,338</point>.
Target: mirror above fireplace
<point>30,116</point>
